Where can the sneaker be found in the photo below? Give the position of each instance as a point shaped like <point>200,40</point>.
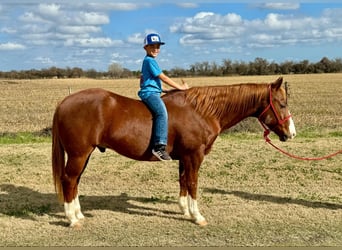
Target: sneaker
<point>160,153</point>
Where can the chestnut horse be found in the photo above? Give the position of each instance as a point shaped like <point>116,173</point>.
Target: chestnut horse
<point>96,118</point>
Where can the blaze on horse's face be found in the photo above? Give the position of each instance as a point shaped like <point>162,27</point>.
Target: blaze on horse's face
<point>277,117</point>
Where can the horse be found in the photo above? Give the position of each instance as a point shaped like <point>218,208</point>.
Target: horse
<point>97,118</point>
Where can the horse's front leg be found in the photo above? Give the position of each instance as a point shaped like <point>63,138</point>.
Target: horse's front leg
<point>188,184</point>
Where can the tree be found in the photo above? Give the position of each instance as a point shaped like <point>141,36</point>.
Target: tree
<point>228,67</point>
<point>323,66</point>
<point>115,70</point>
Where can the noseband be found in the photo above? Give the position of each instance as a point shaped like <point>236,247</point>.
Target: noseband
<point>271,106</point>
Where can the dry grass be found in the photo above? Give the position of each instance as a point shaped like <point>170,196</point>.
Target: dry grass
<point>250,194</point>
<point>28,105</point>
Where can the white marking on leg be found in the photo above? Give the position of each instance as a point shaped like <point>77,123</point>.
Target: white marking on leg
<point>183,204</point>
<point>194,211</point>
<point>69,209</point>
<point>78,212</point>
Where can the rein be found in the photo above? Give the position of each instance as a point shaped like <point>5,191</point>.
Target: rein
<point>268,140</point>
<point>281,121</point>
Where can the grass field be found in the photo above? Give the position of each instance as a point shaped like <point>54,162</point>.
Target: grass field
<point>250,194</point>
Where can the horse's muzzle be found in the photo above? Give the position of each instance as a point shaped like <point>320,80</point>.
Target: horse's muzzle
<point>283,138</point>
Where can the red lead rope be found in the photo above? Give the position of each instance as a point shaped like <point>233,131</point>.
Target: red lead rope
<point>268,140</point>
<point>281,121</point>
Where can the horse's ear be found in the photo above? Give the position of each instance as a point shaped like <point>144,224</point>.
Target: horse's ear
<point>277,83</point>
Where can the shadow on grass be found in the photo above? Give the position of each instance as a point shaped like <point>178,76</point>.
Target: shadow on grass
<point>25,203</point>
<point>276,199</point>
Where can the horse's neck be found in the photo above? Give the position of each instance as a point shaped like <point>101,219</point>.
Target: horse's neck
<point>241,101</point>
<point>227,105</point>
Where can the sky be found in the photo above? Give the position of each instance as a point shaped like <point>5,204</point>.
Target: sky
<point>37,34</point>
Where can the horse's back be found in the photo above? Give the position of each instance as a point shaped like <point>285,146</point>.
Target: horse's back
<point>95,102</point>
<point>100,118</point>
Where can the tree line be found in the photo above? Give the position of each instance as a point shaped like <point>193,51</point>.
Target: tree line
<point>228,67</point>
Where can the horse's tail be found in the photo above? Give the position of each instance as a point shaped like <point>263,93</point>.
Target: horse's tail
<point>58,159</point>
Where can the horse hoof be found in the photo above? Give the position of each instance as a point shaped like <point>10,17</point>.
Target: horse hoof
<point>187,216</point>
<point>202,223</point>
<point>76,225</point>
<point>80,216</point>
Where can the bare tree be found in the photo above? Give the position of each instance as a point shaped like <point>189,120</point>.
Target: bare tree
<point>115,70</point>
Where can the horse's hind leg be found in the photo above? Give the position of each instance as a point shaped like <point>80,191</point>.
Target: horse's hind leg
<point>73,171</point>
<point>183,200</point>
<point>188,179</point>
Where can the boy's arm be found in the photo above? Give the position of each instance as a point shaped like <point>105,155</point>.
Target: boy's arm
<point>172,83</point>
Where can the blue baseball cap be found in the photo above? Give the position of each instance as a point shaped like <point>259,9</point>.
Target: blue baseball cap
<point>152,39</point>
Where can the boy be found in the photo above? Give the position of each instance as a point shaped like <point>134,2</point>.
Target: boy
<point>150,93</point>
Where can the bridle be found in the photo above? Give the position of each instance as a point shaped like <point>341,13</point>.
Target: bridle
<point>271,106</point>
<point>280,122</point>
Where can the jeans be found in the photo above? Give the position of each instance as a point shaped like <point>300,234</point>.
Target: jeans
<point>160,118</point>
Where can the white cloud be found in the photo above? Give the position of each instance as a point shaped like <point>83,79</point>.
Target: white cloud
<point>44,60</point>
<point>208,26</point>
<point>117,6</point>
<point>85,52</point>
<point>208,22</point>
<point>118,56</point>
<point>49,10</point>
<point>187,5</point>
<point>278,22</point>
<point>78,29</point>
<point>34,28</point>
<point>11,46</point>
<point>8,30</point>
<point>275,29</point>
<point>136,38</point>
<point>279,6</point>
<point>30,17</point>
<point>93,42</point>
<point>91,18</point>
<point>64,25</point>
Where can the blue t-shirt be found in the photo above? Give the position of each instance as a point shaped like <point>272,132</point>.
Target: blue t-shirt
<point>150,82</point>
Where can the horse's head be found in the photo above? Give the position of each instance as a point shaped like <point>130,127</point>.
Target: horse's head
<point>276,115</point>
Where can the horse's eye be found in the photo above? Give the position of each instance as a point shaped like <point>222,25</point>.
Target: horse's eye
<point>282,105</point>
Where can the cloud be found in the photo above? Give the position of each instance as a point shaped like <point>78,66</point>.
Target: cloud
<point>44,60</point>
<point>208,26</point>
<point>278,22</point>
<point>91,18</point>
<point>208,22</point>
<point>116,6</point>
<point>94,42</point>
<point>78,29</point>
<point>11,46</point>
<point>279,6</point>
<point>187,5</point>
<point>49,10</point>
<point>30,17</point>
<point>64,25</point>
<point>8,30</point>
<point>136,38</point>
<point>274,30</point>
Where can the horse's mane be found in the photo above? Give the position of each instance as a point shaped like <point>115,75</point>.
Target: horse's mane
<point>217,100</point>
